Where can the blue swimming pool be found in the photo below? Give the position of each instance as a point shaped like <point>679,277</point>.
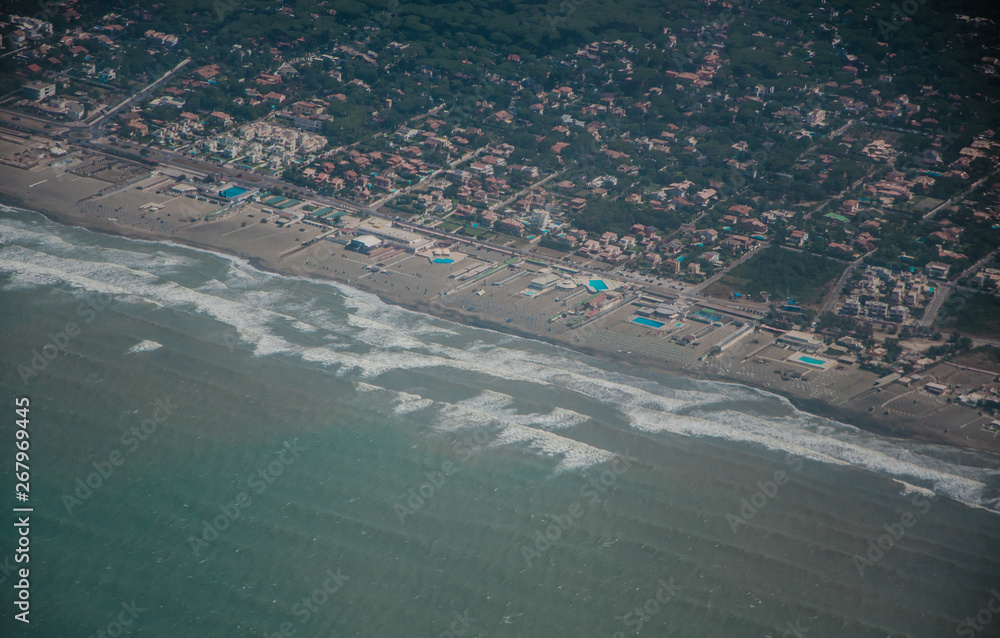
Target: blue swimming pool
<point>652,323</point>
<point>443,260</point>
<point>233,191</point>
<point>813,361</point>
<point>598,284</point>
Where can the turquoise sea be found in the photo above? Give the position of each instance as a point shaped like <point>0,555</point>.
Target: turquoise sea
<point>219,451</point>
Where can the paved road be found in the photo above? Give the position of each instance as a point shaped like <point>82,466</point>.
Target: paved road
<point>959,198</point>
<point>717,276</point>
<point>140,94</point>
<point>524,190</point>
<point>831,297</point>
<point>942,291</point>
<point>402,191</point>
<point>930,312</point>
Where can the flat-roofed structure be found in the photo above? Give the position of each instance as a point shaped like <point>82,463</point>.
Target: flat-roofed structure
<point>394,236</point>
<point>364,244</point>
<point>544,282</point>
<point>38,91</point>
<point>801,340</point>
<point>234,193</point>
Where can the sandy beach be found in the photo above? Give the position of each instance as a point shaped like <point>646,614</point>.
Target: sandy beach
<point>137,208</point>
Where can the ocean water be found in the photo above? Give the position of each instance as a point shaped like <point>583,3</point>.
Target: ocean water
<point>219,451</point>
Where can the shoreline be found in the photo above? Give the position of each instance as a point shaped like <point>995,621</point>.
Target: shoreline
<point>894,426</point>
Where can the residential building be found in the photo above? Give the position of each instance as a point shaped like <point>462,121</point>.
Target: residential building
<point>38,91</point>
<point>937,270</point>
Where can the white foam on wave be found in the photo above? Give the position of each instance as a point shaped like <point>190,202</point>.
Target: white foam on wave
<point>407,403</point>
<point>145,346</point>
<point>490,409</point>
<point>370,307</point>
<point>240,274</point>
<point>38,236</point>
<point>213,286</point>
<point>396,340</point>
<point>378,334</point>
<point>403,402</point>
<point>913,489</point>
<point>858,449</point>
<point>30,269</point>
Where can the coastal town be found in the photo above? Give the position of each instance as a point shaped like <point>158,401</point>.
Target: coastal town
<point>827,228</point>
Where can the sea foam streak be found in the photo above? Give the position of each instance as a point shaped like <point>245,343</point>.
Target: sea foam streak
<point>145,346</point>
<point>264,308</point>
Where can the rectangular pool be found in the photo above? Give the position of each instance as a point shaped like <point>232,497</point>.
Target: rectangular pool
<point>652,323</point>
<point>816,362</point>
<point>598,285</point>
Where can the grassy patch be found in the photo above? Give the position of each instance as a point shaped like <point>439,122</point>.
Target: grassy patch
<point>971,312</point>
<point>785,273</point>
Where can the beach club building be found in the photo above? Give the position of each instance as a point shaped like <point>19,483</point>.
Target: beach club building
<point>393,236</point>
<point>364,244</point>
<point>544,282</point>
<point>801,341</point>
<point>232,193</point>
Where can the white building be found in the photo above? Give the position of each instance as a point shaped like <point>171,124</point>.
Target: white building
<point>364,244</point>
<point>544,282</point>
<point>393,236</point>
<point>801,340</point>
<point>541,218</point>
<point>38,91</point>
